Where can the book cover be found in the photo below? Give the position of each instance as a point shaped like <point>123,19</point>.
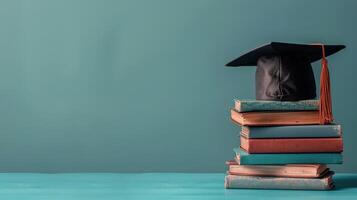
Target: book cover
<point>275,118</point>
<point>261,182</point>
<point>290,170</point>
<point>292,145</point>
<point>244,158</point>
<point>306,131</point>
<point>258,105</point>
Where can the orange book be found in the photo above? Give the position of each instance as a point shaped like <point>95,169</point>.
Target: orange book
<point>292,145</point>
<point>290,170</point>
<point>275,118</point>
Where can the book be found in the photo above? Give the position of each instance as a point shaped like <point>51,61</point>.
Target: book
<point>259,105</point>
<point>306,131</point>
<point>261,182</point>
<point>289,170</point>
<point>244,158</point>
<point>291,145</point>
<point>275,118</point>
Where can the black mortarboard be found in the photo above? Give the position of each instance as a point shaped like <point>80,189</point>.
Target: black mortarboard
<point>284,71</point>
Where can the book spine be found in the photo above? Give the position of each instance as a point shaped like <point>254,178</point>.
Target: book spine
<point>296,145</point>
<point>308,131</point>
<point>256,105</point>
<point>293,171</point>
<point>281,159</point>
<point>257,182</point>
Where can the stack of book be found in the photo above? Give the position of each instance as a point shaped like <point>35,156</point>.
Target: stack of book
<point>282,146</point>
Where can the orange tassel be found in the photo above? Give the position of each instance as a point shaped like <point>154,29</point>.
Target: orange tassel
<point>325,109</point>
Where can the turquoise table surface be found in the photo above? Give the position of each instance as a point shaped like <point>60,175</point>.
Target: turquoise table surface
<point>151,186</point>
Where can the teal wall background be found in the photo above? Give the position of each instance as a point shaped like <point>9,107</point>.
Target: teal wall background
<point>132,85</point>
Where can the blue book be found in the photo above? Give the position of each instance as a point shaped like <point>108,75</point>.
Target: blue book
<point>259,105</point>
<point>306,131</point>
<point>244,158</point>
<point>261,182</point>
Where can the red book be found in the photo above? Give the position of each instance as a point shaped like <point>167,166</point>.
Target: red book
<point>290,170</point>
<point>292,145</point>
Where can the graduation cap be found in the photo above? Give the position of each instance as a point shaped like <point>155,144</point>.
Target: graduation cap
<point>284,73</point>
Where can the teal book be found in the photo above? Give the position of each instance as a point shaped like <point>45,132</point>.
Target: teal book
<point>306,131</point>
<point>244,158</point>
<point>258,105</point>
<point>282,183</point>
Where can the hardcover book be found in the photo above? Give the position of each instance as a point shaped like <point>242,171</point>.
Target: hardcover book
<point>275,118</point>
<point>261,182</point>
<point>306,131</point>
<point>291,145</point>
<point>259,105</point>
<point>290,170</point>
<point>244,158</point>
